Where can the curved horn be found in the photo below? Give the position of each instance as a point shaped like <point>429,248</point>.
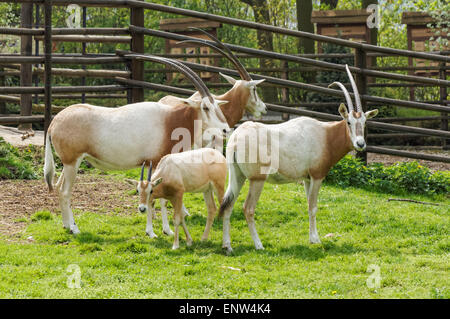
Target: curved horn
<point>355,90</point>
<point>243,74</point>
<point>206,93</point>
<point>142,171</point>
<point>191,75</point>
<point>150,172</point>
<point>230,55</point>
<point>346,94</point>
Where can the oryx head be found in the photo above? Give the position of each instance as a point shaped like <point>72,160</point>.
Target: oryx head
<point>356,119</point>
<point>145,188</point>
<point>254,104</point>
<point>209,108</point>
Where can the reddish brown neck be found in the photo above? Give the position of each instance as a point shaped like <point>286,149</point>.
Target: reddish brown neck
<point>339,141</point>
<point>237,99</point>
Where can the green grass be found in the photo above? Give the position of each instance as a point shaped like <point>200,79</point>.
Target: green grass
<point>408,242</point>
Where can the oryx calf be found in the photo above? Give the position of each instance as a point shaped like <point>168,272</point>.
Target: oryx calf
<point>300,149</point>
<point>202,170</point>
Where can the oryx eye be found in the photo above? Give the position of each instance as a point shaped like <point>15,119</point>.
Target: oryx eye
<point>206,108</point>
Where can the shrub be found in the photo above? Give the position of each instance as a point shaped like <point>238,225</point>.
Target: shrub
<point>402,177</point>
<point>13,165</point>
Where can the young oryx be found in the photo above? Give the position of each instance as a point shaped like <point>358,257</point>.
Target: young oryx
<point>124,137</point>
<point>300,149</point>
<point>202,170</point>
<point>241,97</point>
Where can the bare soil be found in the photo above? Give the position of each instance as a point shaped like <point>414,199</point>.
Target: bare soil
<point>20,199</point>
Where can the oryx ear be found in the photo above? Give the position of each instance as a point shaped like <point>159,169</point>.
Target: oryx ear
<point>229,79</point>
<point>157,182</point>
<point>343,111</point>
<point>370,114</point>
<point>254,82</point>
<point>131,181</point>
<point>220,102</point>
<point>192,102</point>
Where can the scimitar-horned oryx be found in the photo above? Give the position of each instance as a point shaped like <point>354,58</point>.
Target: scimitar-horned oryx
<point>202,170</point>
<point>241,97</point>
<point>125,137</point>
<point>300,149</point>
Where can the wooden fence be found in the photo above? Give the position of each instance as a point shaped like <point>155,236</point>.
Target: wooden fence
<point>130,78</point>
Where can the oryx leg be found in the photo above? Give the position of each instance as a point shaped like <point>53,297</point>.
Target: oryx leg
<point>65,192</point>
<point>150,214</point>
<point>178,218</point>
<point>255,189</point>
<point>312,193</point>
<point>236,181</point>
<point>165,221</point>
<point>211,208</point>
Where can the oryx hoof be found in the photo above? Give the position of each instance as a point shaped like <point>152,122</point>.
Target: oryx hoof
<point>151,235</point>
<point>228,250</point>
<point>74,229</point>
<point>189,243</point>
<point>168,232</point>
<point>259,247</point>
<point>314,240</point>
<point>175,247</point>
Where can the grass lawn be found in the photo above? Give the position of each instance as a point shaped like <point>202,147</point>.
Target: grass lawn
<point>408,243</point>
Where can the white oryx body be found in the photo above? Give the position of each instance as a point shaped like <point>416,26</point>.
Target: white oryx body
<point>125,137</point>
<point>203,170</point>
<point>300,149</point>
<point>241,97</point>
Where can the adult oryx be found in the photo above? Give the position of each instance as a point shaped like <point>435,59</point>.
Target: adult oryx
<point>125,137</point>
<point>241,97</point>
<point>300,149</point>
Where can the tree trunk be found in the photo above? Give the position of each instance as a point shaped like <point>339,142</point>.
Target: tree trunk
<point>373,33</point>
<point>265,42</point>
<point>304,10</point>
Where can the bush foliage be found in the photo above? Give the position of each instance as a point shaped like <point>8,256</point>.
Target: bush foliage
<point>17,163</point>
<point>402,177</point>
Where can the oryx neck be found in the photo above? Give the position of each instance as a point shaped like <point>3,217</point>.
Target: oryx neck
<point>234,110</point>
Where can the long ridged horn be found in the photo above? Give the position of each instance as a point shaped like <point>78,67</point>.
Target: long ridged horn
<point>150,172</point>
<point>224,50</point>
<point>191,75</point>
<point>142,171</point>
<point>355,90</point>
<point>346,94</point>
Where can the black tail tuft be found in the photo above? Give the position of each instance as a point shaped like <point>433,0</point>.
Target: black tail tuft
<point>226,202</point>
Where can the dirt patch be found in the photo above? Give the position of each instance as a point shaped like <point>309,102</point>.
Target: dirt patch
<point>19,199</point>
<point>389,160</point>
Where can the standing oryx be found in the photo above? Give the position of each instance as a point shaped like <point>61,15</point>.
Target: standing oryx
<point>202,170</point>
<point>125,137</point>
<point>241,97</point>
<point>300,149</point>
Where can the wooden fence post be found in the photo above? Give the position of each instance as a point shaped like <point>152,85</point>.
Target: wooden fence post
<point>48,64</point>
<point>443,99</point>
<point>284,90</point>
<point>83,52</point>
<point>26,47</point>
<point>2,83</point>
<point>37,24</point>
<point>361,83</point>
<point>137,45</point>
